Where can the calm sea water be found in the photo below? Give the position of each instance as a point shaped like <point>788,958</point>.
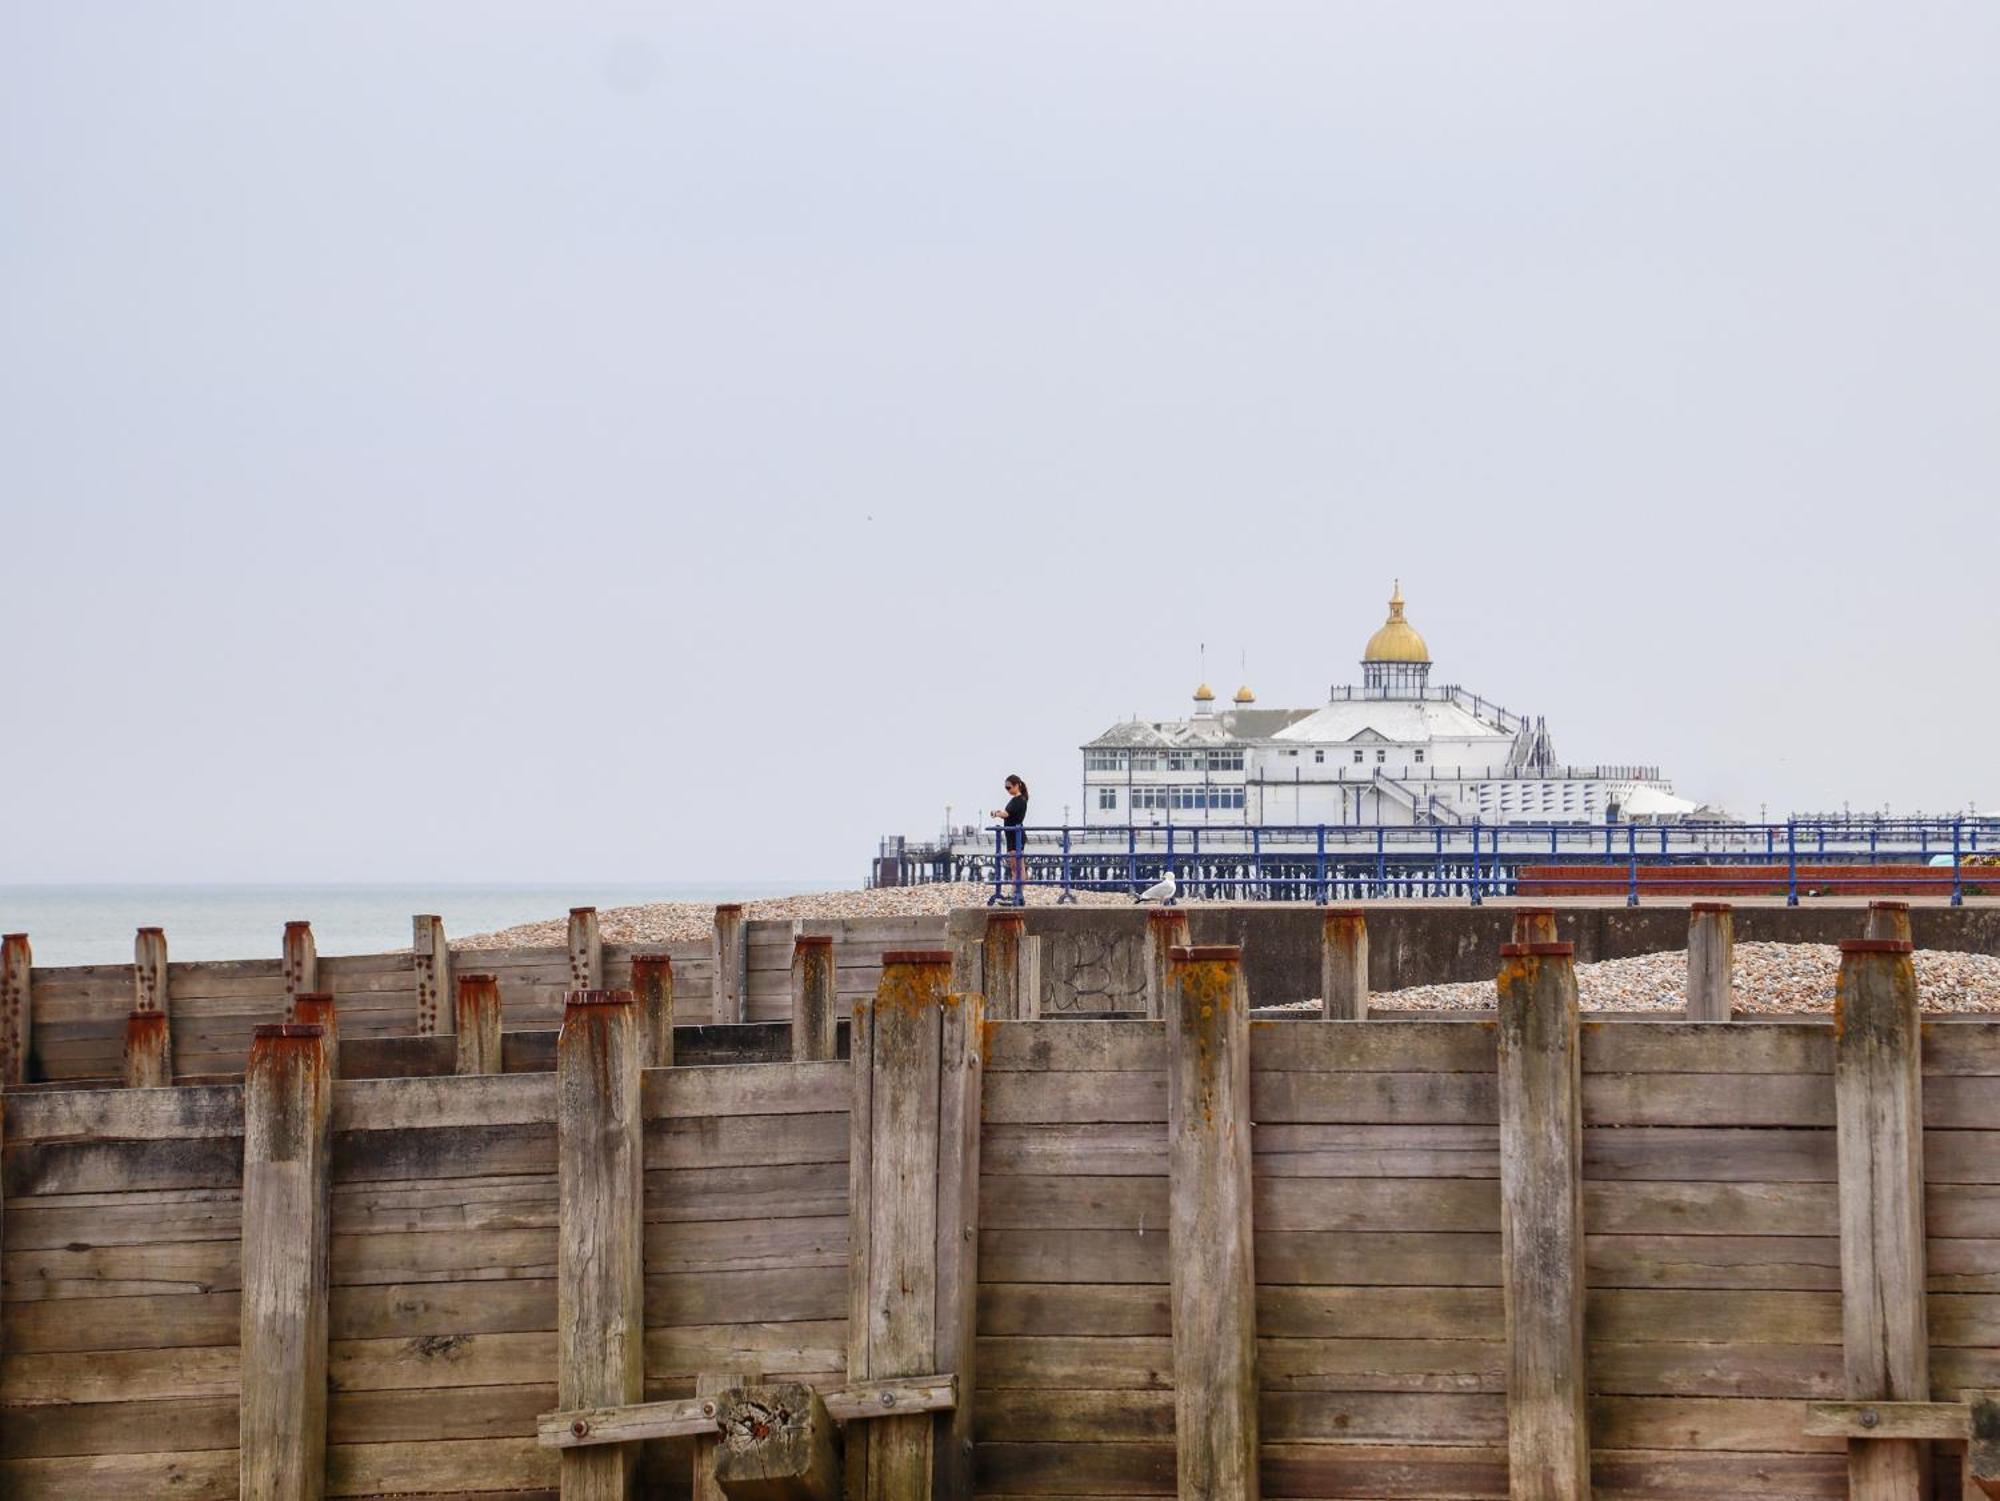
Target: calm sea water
<point>94,924</point>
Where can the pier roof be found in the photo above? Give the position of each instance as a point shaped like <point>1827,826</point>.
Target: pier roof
<point>1402,720</point>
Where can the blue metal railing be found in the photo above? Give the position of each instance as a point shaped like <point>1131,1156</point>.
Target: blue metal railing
<point>1325,862</point>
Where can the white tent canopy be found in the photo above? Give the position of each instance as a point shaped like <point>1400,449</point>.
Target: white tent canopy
<point>1650,802</point>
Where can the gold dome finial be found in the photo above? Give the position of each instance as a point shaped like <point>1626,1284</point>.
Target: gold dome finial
<point>1245,696</point>
<point>1397,640</point>
<point>1204,694</point>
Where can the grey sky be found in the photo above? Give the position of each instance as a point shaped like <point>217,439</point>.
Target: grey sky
<point>503,441</point>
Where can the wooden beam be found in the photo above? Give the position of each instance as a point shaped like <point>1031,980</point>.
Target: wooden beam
<point>17,1009</point>
<point>778,1444</point>
<point>730,957</point>
<point>301,962</point>
<point>897,1045</point>
<point>316,1008</point>
<point>1880,1420</point>
<point>431,961</point>
<point>1011,973</point>
<point>886,1398</point>
<point>586,950</point>
<point>476,1019</point>
<point>1878,1107</point>
<point>1888,919</point>
<point>813,992</point>
<point>1343,965</point>
<point>1166,930</point>
<point>149,1046</point>
<point>1711,973</point>
<point>653,984</point>
<point>287,1151</point>
<point>1213,1304</point>
<point>1541,1229</point>
<point>1535,925</point>
<point>1982,1453</point>
<point>585,1426</point>
<point>961,1078</point>
<point>600,1324</point>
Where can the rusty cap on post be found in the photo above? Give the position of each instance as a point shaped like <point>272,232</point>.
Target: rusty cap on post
<point>1538,950</point>
<point>296,925</point>
<point>144,931</point>
<point>1534,911</point>
<point>478,977</point>
<point>280,1030</point>
<point>1165,915</point>
<point>1710,907</point>
<point>315,995</point>
<point>815,941</point>
<point>597,998</point>
<point>1888,906</point>
<point>1206,953</point>
<point>722,907</point>
<point>583,912</point>
<point>916,956</point>
<point>1876,946</point>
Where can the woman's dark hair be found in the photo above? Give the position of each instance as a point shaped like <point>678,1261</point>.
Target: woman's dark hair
<point>1021,784</point>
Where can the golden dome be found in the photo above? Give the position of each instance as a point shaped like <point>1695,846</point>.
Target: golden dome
<point>1398,640</point>
<point>1245,696</point>
<point>1204,694</point>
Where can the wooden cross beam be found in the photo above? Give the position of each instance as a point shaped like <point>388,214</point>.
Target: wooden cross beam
<point>685,1416</point>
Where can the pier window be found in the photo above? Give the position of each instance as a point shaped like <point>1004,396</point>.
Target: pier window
<point>1104,760</point>
<point>1225,760</point>
<point>1107,797</point>
<point>1145,761</point>
<point>1357,758</point>
<point>1420,755</point>
<point>1319,756</point>
<point>1381,756</point>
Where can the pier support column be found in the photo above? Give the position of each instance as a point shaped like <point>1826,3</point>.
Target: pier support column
<point>653,985</point>
<point>1711,975</point>
<point>1214,1304</point>
<point>586,950</point>
<point>476,1015</point>
<point>1343,965</point>
<point>431,960</point>
<point>600,1322</point>
<point>731,962</point>
<point>149,1047</point>
<point>287,1155</point>
<point>1541,1224</point>
<point>1878,1107</point>
<point>813,996</point>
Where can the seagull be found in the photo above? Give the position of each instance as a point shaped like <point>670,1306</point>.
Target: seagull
<point>1161,891</point>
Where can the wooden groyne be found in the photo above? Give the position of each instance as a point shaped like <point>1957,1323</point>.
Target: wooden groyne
<point>1193,1253</point>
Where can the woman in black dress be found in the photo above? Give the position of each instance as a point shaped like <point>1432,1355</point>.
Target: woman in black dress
<point>1012,817</point>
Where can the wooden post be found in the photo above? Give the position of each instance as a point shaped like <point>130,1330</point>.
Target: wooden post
<point>1982,1454</point>
<point>1888,920</point>
<point>712,1387</point>
<point>731,956</point>
<point>287,1151</point>
<point>1166,930</point>
<point>1214,1309</point>
<point>913,1203</point>
<point>149,1046</point>
<point>586,950</point>
<point>17,1009</point>
<point>1878,1105</point>
<point>1541,1229</point>
<point>433,969</point>
<point>1711,978</point>
<point>1010,969</point>
<point>600,1307</point>
<point>653,984</point>
<point>813,990</point>
<point>301,962</point>
<point>476,1017</point>
<point>777,1444</point>
<point>1343,965</point>
<point>1535,925</point>
<point>315,1008</point>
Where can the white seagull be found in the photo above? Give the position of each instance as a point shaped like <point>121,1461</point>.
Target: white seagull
<point>1161,891</point>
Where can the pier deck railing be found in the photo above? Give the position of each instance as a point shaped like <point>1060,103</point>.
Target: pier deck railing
<point>1342,862</point>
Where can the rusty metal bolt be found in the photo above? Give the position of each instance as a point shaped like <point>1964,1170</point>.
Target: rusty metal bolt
<point>1870,1417</point>
<point>579,1428</point>
<point>888,1399</point>
<point>708,1409</point>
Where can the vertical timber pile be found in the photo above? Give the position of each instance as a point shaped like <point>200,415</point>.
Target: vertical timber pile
<point>300,962</point>
<point>149,1043</point>
<point>1711,980</point>
<point>1888,920</point>
<point>1878,1106</point>
<point>730,955</point>
<point>1166,930</point>
<point>1343,965</point>
<point>1541,1223</point>
<point>287,1150</point>
<point>476,1017</point>
<point>653,985</point>
<point>431,961</point>
<point>586,950</point>
<point>17,1009</point>
<point>913,1193</point>
<point>1982,1453</point>
<point>315,1008</point>
<point>600,1307</point>
<point>1011,969</point>
<point>1535,925</point>
<point>813,1037</point>
<point>1214,1311</point>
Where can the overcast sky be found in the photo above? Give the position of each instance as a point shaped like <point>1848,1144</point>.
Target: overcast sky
<point>518,442</point>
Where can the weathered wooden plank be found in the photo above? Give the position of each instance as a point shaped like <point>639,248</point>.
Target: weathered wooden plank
<point>774,1349</point>
<point>1541,1223</point>
<point>381,1105</point>
<point>430,967</point>
<point>747,1140</point>
<point>1010,968</point>
<point>1886,1420</point>
<point>288,1123</point>
<point>961,1033</point>
<point>1166,930</point>
<point>586,950</point>
<point>450,1412</point>
<point>17,1009</point>
<point>653,985</point>
<point>1212,1273</point>
<point>201,1475</point>
<point>1881,1204</point>
<point>1343,965</point>
<point>1691,1047</point>
<point>729,961</point>
<point>476,1015</point>
<point>573,1428</point>
<point>1711,968</point>
<point>298,961</point>
<point>1089,1045</point>
<point>812,980</point>
<point>77,1429</point>
<point>435,1469</point>
<point>746,1089</point>
<point>149,1051</point>
<point>601,1262</point>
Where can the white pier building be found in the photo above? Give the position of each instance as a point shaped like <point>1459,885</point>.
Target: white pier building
<point>1393,750</point>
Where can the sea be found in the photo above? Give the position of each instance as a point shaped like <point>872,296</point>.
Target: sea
<point>93,924</point>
